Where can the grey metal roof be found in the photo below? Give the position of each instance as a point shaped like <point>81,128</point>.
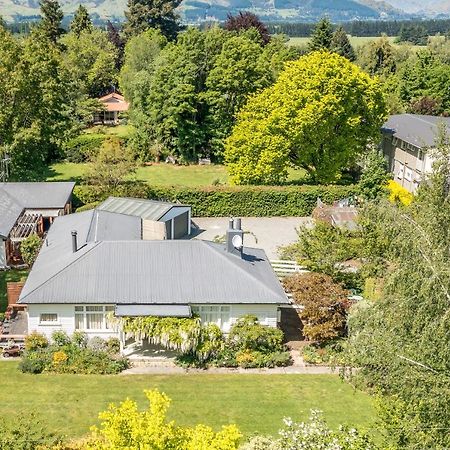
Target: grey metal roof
<point>145,272</point>
<point>153,310</point>
<point>418,130</point>
<point>15,197</point>
<point>145,209</point>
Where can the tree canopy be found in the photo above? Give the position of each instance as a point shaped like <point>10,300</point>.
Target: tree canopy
<point>246,20</point>
<point>319,115</point>
<point>81,21</point>
<point>51,18</point>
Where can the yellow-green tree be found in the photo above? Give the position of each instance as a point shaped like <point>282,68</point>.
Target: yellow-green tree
<point>319,115</point>
<point>124,426</point>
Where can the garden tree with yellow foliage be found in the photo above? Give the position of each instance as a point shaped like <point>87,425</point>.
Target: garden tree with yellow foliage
<point>124,426</point>
<point>320,115</point>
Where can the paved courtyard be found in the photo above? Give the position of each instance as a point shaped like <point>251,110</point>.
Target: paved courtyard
<point>268,233</point>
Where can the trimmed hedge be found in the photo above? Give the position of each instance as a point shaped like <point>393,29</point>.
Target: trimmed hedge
<point>214,201</point>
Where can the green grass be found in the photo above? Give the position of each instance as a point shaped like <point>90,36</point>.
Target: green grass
<point>160,174</point>
<point>122,131</point>
<point>256,403</point>
<point>5,276</point>
<point>356,41</point>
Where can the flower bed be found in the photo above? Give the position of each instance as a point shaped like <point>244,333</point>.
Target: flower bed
<point>74,354</point>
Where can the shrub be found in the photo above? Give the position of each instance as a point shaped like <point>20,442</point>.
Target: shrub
<point>113,346</point>
<point>398,194</point>
<point>325,304</point>
<point>84,147</point>
<point>35,341</point>
<point>248,334</point>
<point>331,353</point>
<point>220,201</point>
<point>72,356</point>
<point>26,432</point>
<point>60,338</point>
<point>29,249</point>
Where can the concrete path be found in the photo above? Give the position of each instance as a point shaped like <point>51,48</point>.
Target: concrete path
<point>268,233</point>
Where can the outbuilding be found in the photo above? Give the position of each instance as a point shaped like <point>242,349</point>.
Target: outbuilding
<point>160,220</point>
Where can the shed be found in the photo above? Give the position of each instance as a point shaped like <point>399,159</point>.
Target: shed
<point>160,220</point>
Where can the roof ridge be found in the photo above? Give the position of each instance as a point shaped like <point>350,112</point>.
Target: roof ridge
<point>94,245</point>
<point>230,261</point>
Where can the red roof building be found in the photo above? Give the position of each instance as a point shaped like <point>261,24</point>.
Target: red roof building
<point>113,104</point>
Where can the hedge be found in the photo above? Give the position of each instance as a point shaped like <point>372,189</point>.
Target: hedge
<point>214,201</point>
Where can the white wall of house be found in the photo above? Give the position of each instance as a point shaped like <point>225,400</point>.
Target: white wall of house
<point>2,253</point>
<point>46,318</point>
<point>226,315</point>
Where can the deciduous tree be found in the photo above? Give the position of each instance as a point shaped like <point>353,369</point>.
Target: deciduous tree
<point>246,20</point>
<point>319,115</point>
<point>324,305</point>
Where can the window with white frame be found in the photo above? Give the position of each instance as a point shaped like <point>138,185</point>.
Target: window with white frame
<point>48,319</point>
<point>218,314</point>
<point>92,317</point>
<point>401,171</point>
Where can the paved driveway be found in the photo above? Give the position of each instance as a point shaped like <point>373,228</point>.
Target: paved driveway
<point>268,233</point>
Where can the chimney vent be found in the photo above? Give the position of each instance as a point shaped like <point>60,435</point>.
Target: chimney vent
<point>74,241</point>
<point>235,237</point>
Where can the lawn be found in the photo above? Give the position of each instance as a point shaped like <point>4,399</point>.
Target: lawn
<point>256,403</point>
<point>5,276</point>
<point>160,174</point>
<point>356,41</point>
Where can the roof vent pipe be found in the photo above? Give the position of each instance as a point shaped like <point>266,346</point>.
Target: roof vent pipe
<point>74,242</point>
<point>237,223</point>
<point>231,224</point>
<point>235,238</point>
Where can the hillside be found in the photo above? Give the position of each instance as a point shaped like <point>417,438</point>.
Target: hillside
<point>198,10</point>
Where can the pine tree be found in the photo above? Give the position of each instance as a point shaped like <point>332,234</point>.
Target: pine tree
<point>81,21</point>
<point>322,36</point>
<point>340,44</point>
<point>52,16</point>
<point>145,14</point>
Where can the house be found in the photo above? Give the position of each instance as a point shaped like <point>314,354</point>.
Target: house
<point>114,104</point>
<point>339,215</point>
<point>27,208</point>
<point>407,141</point>
<point>160,220</point>
<point>95,263</point>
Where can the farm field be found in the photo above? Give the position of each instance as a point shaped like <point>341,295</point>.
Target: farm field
<point>70,404</point>
<point>356,41</point>
<point>160,174</point>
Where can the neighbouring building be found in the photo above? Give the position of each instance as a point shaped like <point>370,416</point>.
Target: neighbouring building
<point>27,208</point>
<point>96,263</point>
<point>407,143</point>
<point>114,105</point>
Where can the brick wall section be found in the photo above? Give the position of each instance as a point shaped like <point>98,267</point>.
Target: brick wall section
<point>14,289</point>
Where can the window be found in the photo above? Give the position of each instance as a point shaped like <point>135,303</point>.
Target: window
<point>218,314</point>
<point>408,175</point>
<point>48,318</point>
<point>401,171</point>
<point>92,317</point>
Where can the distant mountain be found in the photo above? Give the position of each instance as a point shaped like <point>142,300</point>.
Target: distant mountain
<point>428,7</point>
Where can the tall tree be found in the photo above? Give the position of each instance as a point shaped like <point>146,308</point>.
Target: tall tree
<point>51,18</point>
<point>322,36</point>
<point>81,21</point>
<point>378,57</point>
<point>91,60</point>
<point>246,20</point>
<point>31,129</point>
<point>159,14</point>
<point>341,45</point>
<point>319,115</point>
<point>116,39</point>
<point>401,342</point>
